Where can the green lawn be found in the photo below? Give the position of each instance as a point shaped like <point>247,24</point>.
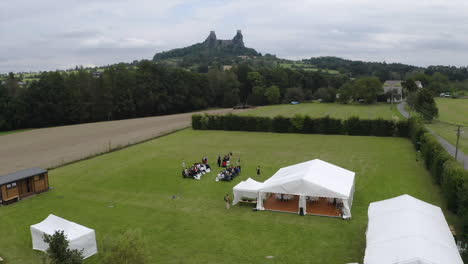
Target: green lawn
<point>452,111</point>
<point>2,133</point>
<point>132,188</point>
<point>335,110</point>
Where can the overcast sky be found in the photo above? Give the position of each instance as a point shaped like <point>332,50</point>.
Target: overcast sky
<point>59,34</point>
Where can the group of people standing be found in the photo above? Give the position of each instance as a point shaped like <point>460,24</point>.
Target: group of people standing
<point>225,162</point>
<point>230,171</point>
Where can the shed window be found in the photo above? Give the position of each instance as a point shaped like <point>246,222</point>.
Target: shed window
<point>11,185</point>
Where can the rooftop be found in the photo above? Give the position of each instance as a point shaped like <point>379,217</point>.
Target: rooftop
<point>19,175</point>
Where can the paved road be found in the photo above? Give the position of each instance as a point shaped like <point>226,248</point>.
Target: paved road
<point>53,147</point>
<point>461,157</point>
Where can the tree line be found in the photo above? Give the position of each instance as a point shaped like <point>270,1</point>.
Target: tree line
<point>149,89</point>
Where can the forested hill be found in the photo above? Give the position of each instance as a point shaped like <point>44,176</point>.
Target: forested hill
<point>210,51</point>
<point>383,70</point>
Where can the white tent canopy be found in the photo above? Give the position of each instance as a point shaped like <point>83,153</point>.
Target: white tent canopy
<point>315,178</point>
<point>248,188</point>
<point>80,237</point>
<point>407,230</point>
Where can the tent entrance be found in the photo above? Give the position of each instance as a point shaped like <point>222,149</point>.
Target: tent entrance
<point>282,203</point>
<point>324,207</point>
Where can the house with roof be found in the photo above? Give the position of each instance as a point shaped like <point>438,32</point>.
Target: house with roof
<point>393,90</point>
<point>23,183</point>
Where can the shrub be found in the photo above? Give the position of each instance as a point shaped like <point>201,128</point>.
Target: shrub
<point>281,124</point>
<point>309,126</point>
<point>263,124</point>
<point>196,124</point>
<point>58,250</point>
<point>382,128</point>
<point>327,125</point>
<point>354,126</point>
<point>402,128</point>
<point>297,123</point>
<point>453,185</point>
<point>204,122</point>
<point>129,247</point>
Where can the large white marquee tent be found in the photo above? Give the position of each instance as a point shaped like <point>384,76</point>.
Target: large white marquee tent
<point>407,230</point>
<point>80,237</point>
<point>314,178</point>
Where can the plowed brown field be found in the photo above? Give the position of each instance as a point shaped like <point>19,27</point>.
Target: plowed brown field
<point>52,147</point>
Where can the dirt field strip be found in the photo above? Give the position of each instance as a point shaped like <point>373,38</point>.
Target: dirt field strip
<point>52,147</point>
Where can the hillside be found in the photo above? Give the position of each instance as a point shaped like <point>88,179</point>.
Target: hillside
<point>210,51</point>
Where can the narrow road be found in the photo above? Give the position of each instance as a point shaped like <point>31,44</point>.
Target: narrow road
<point>461,157</point>
<point>56,146</point>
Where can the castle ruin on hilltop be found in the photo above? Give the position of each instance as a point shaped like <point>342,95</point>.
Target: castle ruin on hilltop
<point>237,41</point>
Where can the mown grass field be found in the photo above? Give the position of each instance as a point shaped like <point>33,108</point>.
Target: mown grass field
<point>2,133</point>
<point>316,109</point>
<point>133,188</point>
<point>452,111</point>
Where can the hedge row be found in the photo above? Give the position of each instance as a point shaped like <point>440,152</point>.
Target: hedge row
<point>445,170</point>
<point>302,124</point>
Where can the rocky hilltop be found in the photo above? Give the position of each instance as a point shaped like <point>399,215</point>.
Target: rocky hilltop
<point>208,51</point>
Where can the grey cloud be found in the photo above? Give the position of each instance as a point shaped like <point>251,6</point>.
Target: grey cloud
<point>52,34</point>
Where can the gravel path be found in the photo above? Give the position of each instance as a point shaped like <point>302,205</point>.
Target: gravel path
<point>56,146</point>
<point>461,157</point>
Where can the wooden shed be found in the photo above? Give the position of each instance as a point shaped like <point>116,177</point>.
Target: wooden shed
<point>23,183</point>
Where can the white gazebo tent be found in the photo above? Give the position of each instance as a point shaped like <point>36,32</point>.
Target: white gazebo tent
<point>80,237</point>
<point>314,178</point>
<point>407,230</point>
<point>248,188</point>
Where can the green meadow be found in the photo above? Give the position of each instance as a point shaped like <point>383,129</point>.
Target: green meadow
<point>184,220</point>
<point>335,110</point>
<point>452,111</point>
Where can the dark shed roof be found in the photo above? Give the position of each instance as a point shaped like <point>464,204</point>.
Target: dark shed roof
<point>19,175</point>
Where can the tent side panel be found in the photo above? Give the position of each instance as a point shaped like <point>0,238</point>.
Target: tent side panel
<point>38,240</point>
<point>87,243</point>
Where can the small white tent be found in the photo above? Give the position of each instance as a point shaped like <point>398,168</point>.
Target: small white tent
<point>407,230</point>
<point>248,188</point>
<point>315,178</point>
<point>80,237</point>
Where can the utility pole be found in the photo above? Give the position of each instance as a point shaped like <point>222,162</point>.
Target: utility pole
<point>458,139</point>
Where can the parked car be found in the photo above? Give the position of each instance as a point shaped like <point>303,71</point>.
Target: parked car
<point>445,95</point>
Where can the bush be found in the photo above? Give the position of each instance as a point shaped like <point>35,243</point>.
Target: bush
<point>309,126</point>
<point>402,128</point>
<point>297,123</point>
<point>382,128</point>
<point>129,248</point>
<point>302,124</point>
<point>281,124</point>
<point>196,121</point>
<point>356,127</point>
<point>58,250</point>
<point>453,180</point>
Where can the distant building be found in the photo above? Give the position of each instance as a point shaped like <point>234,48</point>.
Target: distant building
<point>227,67</point>
<point>393,90</point>
<point>419,84</point>
<point>97,74</point>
